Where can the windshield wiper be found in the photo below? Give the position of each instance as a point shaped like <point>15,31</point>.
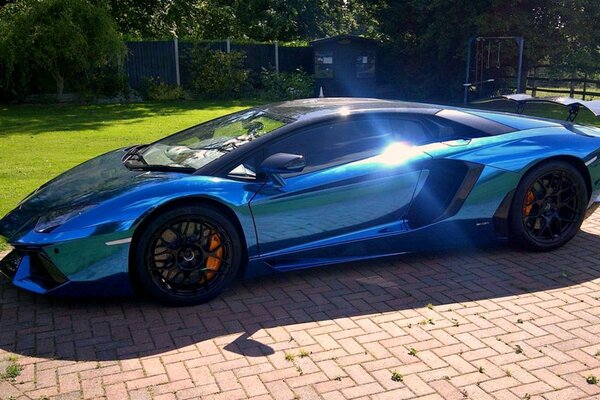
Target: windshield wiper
<point>132,155</point>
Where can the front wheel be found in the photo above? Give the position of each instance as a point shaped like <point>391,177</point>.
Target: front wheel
<point>548,206</point>
<point>188,255</point>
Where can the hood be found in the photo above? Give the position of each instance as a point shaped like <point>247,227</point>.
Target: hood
<point>80,188</point>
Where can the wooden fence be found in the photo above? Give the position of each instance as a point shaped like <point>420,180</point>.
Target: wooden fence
<point>547,85</point>
<point>166,60</point>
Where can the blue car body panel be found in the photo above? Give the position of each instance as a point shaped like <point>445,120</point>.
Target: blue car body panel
<point>359,210</point>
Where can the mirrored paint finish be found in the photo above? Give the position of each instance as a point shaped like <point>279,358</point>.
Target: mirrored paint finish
<point>473,223</point>
<point>351,212</point>
<point>360,199</point>
<point>123,199</point>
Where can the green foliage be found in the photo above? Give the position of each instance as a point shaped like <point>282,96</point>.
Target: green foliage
<point>70,40</point>
<point>216,74</point>
<point>397,376</point>
<point>563,33</point>
<point>304,353</point>
<point>284,20</point>
<point>160,19</point>
<point>287,86</point>
<point>426,41</point>
<point>425,45</point>
<point>12,371</point>
<point>153,89</point>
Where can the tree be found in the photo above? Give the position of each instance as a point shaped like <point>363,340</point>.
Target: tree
<point>564,33</point>
<point>289,20</point>
<point>261,20</point>
<point>425,43</point>
<point>216,74</point>
<point>69,39</point>
<point>160,19</point>
<point>427,40</point>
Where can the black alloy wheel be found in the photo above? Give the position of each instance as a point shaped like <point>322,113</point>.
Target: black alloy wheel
<point>548,207</point>
<point>188,255</point>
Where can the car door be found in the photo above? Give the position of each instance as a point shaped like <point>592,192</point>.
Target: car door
<point>358,183</point>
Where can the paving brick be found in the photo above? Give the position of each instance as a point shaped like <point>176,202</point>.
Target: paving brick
<point>253,386</point>
<point>356,321</point>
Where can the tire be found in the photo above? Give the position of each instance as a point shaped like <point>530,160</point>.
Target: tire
<point>187,255</point>
<point>548,207</point>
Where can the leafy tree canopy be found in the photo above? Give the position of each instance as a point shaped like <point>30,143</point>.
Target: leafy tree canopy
<point>69,39</point>
<point>425,39</point>
<point>261,20</point>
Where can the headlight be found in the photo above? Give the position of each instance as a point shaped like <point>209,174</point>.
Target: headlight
<point>52,220</point>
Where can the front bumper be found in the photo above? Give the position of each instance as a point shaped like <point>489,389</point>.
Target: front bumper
<point>55,270</point>
<point>32,270</point>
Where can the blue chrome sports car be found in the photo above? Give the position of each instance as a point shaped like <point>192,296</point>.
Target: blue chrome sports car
<point>300,184</point>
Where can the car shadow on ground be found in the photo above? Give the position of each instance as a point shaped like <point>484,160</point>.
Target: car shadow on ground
<point>125,328</point>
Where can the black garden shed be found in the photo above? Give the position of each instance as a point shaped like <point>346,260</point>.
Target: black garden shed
<point>345,65</point>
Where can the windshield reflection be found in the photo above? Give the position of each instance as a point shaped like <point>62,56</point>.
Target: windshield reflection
<point>202,144</point>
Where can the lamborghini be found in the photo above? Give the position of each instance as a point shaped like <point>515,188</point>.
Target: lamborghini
<point>300,184</point>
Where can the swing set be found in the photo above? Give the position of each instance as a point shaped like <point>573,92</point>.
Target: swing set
<point>488,57</point>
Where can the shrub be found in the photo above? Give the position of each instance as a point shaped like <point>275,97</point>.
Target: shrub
<point>69,40</point>
<point>287,86</point>
<point>153,89</point>
<point>216,74</point>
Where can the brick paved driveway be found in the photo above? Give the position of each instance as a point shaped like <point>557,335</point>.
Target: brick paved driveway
<point>479,323</point>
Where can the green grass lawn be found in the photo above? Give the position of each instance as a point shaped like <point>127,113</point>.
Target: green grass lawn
<point>541,92</point>
<point>39,142</point>
<point>541,110</point>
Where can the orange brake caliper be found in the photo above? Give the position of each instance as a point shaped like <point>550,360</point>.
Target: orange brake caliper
<point>213,262</point>
<point>529,199</point>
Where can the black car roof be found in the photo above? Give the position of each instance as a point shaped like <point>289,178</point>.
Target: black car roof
<point>307,109</point>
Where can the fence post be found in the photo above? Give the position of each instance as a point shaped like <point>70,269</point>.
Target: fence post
<point>585,77</point>
<point>534,84</point>
<point>176,46</point>
<point>228,45</point>
<point>572,86</point>
<point>466,85</point>
<point>520,42</point>
<point>276,56</point>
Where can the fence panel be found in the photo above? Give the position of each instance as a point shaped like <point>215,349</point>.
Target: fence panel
<point>150,60</point>
<point>157,59</point>
<point>292,58</point>
<point>258,56</point>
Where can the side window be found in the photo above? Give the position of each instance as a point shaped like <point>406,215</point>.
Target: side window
<point>442,129</point>
<point>335,144</point>
<point>411,131</point>
<point>429,129</point>
<point>247,170</point>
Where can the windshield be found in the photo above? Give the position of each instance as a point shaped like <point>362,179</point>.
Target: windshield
<point>202,144</point>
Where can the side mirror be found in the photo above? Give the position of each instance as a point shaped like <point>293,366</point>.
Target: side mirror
<point>282,163</point>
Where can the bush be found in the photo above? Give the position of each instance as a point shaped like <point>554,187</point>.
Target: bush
<point>216,74</point>
<point>68,41</point>
<point>153,89</point>
<point>287,86</point>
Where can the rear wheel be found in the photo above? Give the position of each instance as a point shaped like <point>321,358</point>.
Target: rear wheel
<point>548,207</point>
<point>188,255</point>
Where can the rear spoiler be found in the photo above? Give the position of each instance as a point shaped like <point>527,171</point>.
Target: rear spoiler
<point>573,105</point>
